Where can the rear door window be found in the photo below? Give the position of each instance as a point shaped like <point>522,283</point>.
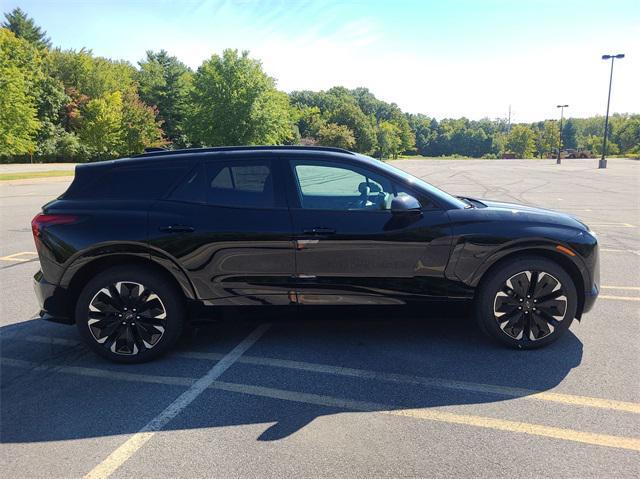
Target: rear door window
<point>240,184</point>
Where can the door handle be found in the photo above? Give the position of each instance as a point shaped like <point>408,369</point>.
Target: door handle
<point>319,231</point>
<point>177,229</point>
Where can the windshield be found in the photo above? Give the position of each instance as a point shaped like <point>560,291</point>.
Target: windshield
<point>442,197</point>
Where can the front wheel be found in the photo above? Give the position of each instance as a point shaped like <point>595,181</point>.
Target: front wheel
<point>129,315</point>
<point>526,302</point>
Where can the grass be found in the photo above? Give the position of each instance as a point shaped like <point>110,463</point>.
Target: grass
<point>35,174</point>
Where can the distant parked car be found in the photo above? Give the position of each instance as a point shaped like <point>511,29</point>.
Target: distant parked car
<point>137,247</point>
<point>570,153</point>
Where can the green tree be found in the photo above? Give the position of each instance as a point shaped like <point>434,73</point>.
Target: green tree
<point>140,128</point>
<point>569,140</point>
<point>547,139</point>
<point>332,134</point>
<point>350,115</point>
<point>235,102</point>
<point>165,83</point>
<point>389,141</point>
<point>24,27</point>
<point>91,76</point>
<point>628,135</point>
<point>101,126</point>
<point>521,141</point>
<point>18,112</point>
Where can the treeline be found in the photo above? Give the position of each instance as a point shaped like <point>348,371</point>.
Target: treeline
<point>67,105</point>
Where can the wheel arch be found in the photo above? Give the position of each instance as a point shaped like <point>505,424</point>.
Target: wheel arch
<point>88,268</point>
<point>561,259</point>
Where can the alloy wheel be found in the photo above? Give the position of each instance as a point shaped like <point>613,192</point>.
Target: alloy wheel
<point>530,305</point>
<point>126,318</point>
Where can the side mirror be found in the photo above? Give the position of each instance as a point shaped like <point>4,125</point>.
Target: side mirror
<point>405,204</point>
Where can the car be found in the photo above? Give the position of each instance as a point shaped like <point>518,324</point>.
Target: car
<point>136,248</point>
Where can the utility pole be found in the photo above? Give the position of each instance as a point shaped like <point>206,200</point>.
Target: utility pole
<point>562,107</point>
<point>603,160</point>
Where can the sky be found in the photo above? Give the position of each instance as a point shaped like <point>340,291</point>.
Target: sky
<point>446,58</point>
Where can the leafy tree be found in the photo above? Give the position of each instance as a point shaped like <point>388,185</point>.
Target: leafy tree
<point>628,135</point>
<point>24,27</point>
<point>389,141</point>
<point>140,128</point>
<point>234,102</point>
<point>91,76</point>
<point>165,83</point>
<point>60,145</point>
<point>100,126</point>
<point>521,141</point>
<point>547,139</point>
<point>18,113</point>
<point>349,115</point>
<point>332,134</point>
<point>569,140</point>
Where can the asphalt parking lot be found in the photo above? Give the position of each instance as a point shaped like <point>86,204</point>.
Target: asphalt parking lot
<point>348,397</point>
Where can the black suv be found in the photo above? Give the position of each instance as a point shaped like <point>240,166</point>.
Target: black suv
<point>138,246</point>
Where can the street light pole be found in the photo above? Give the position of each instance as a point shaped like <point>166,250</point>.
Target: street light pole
<point>562,107</point>
<point>603,160</point>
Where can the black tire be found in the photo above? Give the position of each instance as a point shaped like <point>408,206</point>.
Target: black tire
<point>126,323</point>
<point>526,302</point>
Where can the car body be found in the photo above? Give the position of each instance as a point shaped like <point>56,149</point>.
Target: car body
<point>253,226</point>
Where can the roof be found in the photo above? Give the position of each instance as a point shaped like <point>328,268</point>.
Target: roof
<point>157,152</point>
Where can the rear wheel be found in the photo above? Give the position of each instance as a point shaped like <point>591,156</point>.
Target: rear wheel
<point>526,302</point>
<point>129,315</point>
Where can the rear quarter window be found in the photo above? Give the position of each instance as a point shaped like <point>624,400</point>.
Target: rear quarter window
<point>147,182</point>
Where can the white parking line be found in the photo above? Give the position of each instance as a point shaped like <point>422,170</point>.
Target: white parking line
<point>135,442</point>
<point>125,451</point>
<point>432,382</point>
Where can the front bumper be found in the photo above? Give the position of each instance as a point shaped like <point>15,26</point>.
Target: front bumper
<point>590,299</point>
<point>54,304</point>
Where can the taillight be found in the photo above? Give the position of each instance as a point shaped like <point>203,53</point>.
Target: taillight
<point>41,221</point>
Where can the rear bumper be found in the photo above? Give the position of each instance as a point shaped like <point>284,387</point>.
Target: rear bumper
<point>53,300</point>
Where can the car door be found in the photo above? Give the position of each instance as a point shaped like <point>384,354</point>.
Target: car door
<point>228,227</point>
<point>351,248</point>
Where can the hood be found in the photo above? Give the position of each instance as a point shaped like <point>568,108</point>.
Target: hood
<point>517,212</point>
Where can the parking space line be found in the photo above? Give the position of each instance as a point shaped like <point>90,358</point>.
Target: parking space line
<point>626,288</point>
<point>135,442</point>
<point>611,225</point>
<point>439,416</point>
<point>618,298</point>
<point>125,451</point>
<point>613,250</point>
<point>14,256</point>
<point>439,383</point>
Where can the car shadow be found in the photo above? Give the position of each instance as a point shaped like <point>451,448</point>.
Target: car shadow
<point>53,388</point>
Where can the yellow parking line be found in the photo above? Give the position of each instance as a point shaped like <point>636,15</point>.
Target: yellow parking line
<point>626,288</point>
<point>606,440</point>
<point>12,257</point>
<point>439,383</point>
<point>612,225</point>
<point>618,298</point>
<point>432,414</point>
